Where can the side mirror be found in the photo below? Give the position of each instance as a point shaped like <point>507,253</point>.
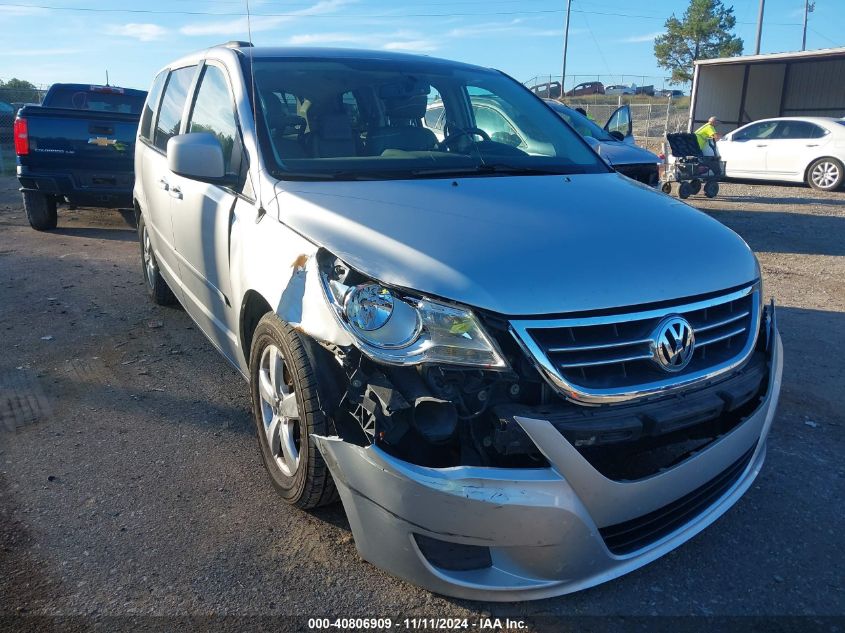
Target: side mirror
<point>198,156</point>
<point>617,135</point>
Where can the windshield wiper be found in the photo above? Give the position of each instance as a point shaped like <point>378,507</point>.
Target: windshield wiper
<point>490,168</point>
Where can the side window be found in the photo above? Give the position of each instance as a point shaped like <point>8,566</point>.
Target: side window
<point>764,129</point>
<point>150,105</point>
<point>172,104</point>
<point>214,112</point>
<point>496,125</point>
<point>432,116</point>
<point>799,130</point>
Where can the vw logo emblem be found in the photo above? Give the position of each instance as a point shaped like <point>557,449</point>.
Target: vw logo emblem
<point>673,343</point>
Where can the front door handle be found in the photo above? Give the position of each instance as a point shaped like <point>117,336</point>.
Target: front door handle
<point>163,184</point>
<point>812,145</point>
<point>175,192</point>
<point>762,145</point>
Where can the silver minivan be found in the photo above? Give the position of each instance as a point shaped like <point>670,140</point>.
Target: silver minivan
<point>512,399</point>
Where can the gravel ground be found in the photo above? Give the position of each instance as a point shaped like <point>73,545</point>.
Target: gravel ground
<point>132,483</point>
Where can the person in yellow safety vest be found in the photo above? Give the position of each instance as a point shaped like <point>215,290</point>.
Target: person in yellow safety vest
<point>707,132</point>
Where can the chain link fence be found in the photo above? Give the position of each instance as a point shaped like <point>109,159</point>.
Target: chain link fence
<point>654,112</point>
<point>11,100</point>
<point>650,121</point>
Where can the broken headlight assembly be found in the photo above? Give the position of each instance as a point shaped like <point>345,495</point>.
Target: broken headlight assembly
<point>390,326</point>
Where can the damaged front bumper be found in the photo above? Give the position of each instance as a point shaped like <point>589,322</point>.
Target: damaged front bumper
<point>513,534</point>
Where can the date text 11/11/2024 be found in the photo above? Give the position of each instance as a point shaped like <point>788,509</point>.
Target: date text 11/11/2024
<point>497,624</point>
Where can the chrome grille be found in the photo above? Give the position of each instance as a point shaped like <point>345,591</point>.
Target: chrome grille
<point>608,359</point>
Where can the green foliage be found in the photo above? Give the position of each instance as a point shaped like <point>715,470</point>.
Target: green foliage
<point>18,91</point>
<point>704,32</point>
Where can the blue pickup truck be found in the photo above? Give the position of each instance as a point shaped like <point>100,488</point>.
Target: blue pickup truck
<point>77,148</point>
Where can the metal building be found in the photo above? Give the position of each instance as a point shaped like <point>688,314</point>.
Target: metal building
<point>738,90</point>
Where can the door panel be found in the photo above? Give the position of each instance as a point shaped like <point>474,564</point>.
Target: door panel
<point>745,152</point>
<point>795,145</point>
<point>203,213</point>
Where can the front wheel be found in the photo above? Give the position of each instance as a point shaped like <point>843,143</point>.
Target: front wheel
<point>825,174</point>
<point>684,191</point>
<point>286,399</point>
<point>40,210</point>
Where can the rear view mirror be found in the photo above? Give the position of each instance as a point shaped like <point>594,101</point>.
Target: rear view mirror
<point>617,135</point>
<point>198,156</point>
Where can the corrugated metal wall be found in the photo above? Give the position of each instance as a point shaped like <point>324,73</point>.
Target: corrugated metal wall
<point>813,88</point>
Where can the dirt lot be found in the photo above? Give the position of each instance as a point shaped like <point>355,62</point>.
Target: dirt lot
<point>130,482</point>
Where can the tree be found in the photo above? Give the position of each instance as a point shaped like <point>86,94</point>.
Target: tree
<point>704,32</point>
<point>18,91</point>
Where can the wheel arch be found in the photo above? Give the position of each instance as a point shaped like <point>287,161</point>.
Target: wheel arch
<point>253,307</point>
<point>814,161</point>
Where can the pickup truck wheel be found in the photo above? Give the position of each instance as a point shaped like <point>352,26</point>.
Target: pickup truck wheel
<point>157,287</point>
<point>286,408</point>
<point>40,210</point>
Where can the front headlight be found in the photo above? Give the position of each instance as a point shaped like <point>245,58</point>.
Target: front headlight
<point>404,330</point>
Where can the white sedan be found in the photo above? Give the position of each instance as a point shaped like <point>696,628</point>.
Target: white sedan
<point>795,149</point>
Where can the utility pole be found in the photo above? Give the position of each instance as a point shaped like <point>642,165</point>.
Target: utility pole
<point>809,7</point>
<point>565,46</point>
<point>760,26</point>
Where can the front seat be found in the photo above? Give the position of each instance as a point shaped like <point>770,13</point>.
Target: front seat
<point>332,136</point>
<point>285,129</point>
<point>401,134</point>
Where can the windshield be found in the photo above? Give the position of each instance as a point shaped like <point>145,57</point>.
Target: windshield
<point>583,125</point>
<point>375,119</point>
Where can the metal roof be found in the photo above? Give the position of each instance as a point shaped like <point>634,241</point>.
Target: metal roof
<point>775,57</point>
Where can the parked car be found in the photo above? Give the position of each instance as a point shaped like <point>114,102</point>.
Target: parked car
<point>614,142</point>
<point>548,90</point>
<point>791,149</point>
<point>670,93</point>
<point>77,147</point>
<point>514,393</point>
<point>587,88</point>
<point>618,89</point>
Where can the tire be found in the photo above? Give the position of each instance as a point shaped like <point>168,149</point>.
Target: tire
<point>295,466</point>
<point>40,210</point>
<point>157,287</point>
<point>711,189</point>
<point>666,188</point>
<point>684,191</point>
<point>696,186</point>
<point>825,174</point>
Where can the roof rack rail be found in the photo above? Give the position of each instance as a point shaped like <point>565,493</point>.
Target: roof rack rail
<point>236,44</point>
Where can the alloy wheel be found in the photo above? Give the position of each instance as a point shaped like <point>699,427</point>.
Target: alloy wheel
<point>149,259</point>
<point>825,174</point>
<point>279,410</point>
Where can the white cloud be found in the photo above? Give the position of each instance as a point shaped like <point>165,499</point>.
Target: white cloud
<point>329,38</point>
<point>20,10</point>
<point>142,31</point>
<point>259,23</point>
<point>518,27</point>
<point>647,37</point>
<point>39,52</point>
<point>417,46</point>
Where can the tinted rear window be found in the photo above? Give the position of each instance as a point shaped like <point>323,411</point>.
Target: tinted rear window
<point>95,100</point>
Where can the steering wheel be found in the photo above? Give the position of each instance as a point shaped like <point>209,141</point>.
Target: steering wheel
<point>447,142</point>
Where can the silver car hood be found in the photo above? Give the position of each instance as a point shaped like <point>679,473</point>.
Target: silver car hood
<point>527,245</point>
<point>619,153</point>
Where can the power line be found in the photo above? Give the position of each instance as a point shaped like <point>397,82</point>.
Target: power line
<point>346,16</point>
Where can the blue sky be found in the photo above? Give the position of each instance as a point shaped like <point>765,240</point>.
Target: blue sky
<point>608,38</point>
